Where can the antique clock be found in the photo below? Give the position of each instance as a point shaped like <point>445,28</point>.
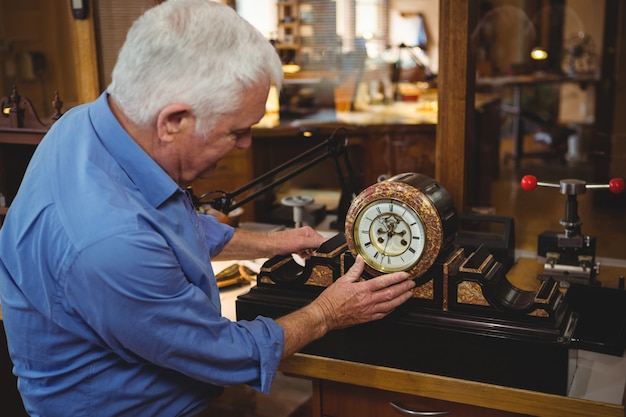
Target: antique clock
<point>401,224</point>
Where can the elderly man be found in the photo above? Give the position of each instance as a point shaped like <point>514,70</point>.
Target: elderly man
<point>109,300</point>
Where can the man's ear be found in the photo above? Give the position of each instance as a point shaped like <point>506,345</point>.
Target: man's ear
<point>174,119</point>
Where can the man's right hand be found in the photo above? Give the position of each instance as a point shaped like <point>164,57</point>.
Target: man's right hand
<point>347,302</point>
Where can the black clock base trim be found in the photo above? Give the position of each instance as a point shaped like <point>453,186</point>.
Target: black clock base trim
<point>435,342</point>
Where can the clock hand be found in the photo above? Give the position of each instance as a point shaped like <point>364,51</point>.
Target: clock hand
<point>385,250</point>
<point>395,223</point>
<point>383,221</point>
<point>391,222</point>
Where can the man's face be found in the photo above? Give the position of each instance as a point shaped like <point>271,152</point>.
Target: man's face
<point>199,156</point>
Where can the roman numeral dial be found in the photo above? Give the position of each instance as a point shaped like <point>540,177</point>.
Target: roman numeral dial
<point>391,235</point>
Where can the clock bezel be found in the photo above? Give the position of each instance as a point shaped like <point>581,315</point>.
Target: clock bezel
<point>411,197</point>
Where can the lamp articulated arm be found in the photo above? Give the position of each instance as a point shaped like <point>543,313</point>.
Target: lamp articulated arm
<point>334,147</point>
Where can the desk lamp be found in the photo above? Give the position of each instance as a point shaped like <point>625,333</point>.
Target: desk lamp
<point>334,147</point>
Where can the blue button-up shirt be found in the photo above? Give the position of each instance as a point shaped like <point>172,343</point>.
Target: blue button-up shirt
<point>108,296</point>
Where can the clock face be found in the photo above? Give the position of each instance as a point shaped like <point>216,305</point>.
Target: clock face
<point>390,235</point>
<point>401,224</point>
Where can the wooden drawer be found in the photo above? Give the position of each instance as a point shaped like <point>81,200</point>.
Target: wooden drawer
<point>344,400</point>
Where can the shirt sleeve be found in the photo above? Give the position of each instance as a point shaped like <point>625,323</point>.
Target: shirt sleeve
<point>216,234</point>
<point>128,294</point>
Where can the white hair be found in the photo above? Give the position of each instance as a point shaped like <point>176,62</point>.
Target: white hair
<point>197,52</point>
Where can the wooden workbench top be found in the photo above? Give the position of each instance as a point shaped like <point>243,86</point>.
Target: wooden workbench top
<point>523,275</point>
<point>444,388</point>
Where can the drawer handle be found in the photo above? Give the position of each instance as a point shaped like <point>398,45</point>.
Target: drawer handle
<point>417,413</point>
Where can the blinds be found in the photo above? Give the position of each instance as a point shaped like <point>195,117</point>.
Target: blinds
<point>113,19</point>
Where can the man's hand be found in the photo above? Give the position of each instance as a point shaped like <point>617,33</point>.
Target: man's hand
<point>347,302</point>
<point>301,241</point>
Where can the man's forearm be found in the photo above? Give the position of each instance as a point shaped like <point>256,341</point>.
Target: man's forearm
<point>248,245</point>
<point>302,327</point>
<point>251,245</point>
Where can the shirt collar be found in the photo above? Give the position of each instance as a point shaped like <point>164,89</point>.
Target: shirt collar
<point>151,180</point>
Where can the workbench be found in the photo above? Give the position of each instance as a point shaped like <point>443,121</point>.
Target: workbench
<point>343,388</point>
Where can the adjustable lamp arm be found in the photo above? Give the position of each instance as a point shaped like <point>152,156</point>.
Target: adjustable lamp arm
<point>332,147</point>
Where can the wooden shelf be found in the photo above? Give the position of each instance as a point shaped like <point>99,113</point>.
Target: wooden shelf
<point>21,136</point>
<point>287,46</point>
<point>17,144</point>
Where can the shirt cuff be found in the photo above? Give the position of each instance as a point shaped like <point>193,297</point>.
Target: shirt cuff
<point>270,348</point>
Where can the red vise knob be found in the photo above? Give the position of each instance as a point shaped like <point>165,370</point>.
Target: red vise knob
<point>572,186</point>
<point>529,182</point>
<point>616,186</point>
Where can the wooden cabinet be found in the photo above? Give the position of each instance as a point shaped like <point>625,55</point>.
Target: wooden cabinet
<point>373,151</point>
<point>232,172</point>
<point>15,154</point>
<point>21,130</point>
<point>345,400</point>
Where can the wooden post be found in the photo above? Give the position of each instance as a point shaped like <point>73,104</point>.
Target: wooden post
<point>85,57</point>
<point>456,82</point>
